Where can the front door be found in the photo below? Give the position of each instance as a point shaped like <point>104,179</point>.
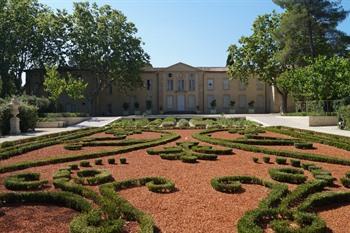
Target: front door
<point>180,103</point>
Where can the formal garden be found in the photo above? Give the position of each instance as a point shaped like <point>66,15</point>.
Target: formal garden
<point>176,175</point>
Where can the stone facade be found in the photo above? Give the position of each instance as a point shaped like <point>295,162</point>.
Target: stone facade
<point>179,88</point>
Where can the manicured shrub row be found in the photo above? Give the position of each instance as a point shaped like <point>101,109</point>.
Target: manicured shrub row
<point>65,199</point>
<point>254,221</point>
<point>93,222</point>
<point>43,142</point>
<point>170,156</point>
<point>323,199</point>
<point>160,185</point>
<point>202,156</point>
<point>169,150</point>
<point>210,150</point>
<point>98,162</point>
<point>227,184</point>
<point>85,164</point>
<point>301,192</point>
<point>320,174</point>
<point>346,180</point>
<point>261,142</point>
<point>187,145</point>
<point>111,160</point>
<point>123,160</point>
<point>168,137</point>
<point>94,177</point>
<point>304,145</point>
<point>125,142</point>
<point>259,137</point>
<point>93,139</point>
<point>188,159</point>
<point>73,146</point>
<point>204,136</point>
<point>25,181</point>
<point>328,139</point>
<point>73,166</point>
<point>289,175</point>
<point>62,173</point>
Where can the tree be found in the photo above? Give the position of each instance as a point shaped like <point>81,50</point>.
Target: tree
<point>56,85</point>
<point>257,55</point>
<point>19,40</point>
<point>309,28</point>
<point>105,43</point>
<point>323,79</point>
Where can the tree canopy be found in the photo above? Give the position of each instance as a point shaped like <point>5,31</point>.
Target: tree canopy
<point>100,39</point>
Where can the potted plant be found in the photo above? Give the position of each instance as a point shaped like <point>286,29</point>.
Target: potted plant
<point>148,107</point>
<point>125,107</point>
<point>232,107</point>
<point>161,110</point>
<point>213,106</point>
<point>251,107</point>
<point>197,109</point>
<point>136,108</point>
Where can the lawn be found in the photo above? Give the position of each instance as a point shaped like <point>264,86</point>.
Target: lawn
<point>168,175</point>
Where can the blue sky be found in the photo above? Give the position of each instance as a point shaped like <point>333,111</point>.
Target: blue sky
<point>196,32</point>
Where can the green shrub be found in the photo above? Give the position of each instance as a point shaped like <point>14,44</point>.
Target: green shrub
<point>255,159</point>
<point>28,116</point>
<point>183,123</point>
<point>74,166</point>
<point>346,180</point>
<point>303,145</point>
<point>280,160</point>
<point>94,177</point>
<point>25,181</point>
<point>188,159</point>
<point>123,160</point>
<point>160,185</point>
<point>111,160</point>
<point>266,159</point>
<point>344,114</point>
<point>201,156</point>
<point>170,156</point>
<point>295,163</point>
<point>85,164</point>
<point>289,175</point>
<point>73,146</point>
<point>98,161</point>
<point>62,173</point>
<point>227,184</point>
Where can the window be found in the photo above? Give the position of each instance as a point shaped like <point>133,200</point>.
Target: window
<point>192,85</point>
<point>226,84</point>
<point>191,102</point>
<point>181,85</point>
<point>259,85</point>
<point>148,84</point>
<point>227,99</point>
<point>169,101</point>
<point>210,84</point>
<point>170,75</point>
<point>170,85</point>
<point>242,85</point>
<point>210,99</point>
<point>242,101</point>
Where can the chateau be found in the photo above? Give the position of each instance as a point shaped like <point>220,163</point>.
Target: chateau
<point>179,88</point>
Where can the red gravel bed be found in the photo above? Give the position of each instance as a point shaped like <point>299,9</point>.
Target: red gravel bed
<point>36,218</point>
<point>337,218</point>
<point>145,135</point>
<point>196,206</point>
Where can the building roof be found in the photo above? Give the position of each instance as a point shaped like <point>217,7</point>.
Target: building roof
<point>180,66</point>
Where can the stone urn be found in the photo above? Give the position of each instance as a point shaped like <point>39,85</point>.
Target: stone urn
<point>14,120</point>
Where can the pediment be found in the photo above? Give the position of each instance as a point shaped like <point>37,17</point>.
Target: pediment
<point>181,67</point>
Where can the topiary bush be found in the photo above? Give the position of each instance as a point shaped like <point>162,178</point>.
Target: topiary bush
<point>289,175</point>
<point>73,166</point>
<point>25,181</point>
<point>280,160</point>
<point>295,163</point>
<point>266,159</point>
<point>98,162</point>
<point>94,177</point>
<point>303,145</point>
<point>160,185</point>
<point>84,164</point>
<point>255,159</point>
<point>111,160</point>
<point>123,160</point>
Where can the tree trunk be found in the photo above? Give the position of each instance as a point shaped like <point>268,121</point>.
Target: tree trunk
<point>284,101</point>
<point>311,37</point>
